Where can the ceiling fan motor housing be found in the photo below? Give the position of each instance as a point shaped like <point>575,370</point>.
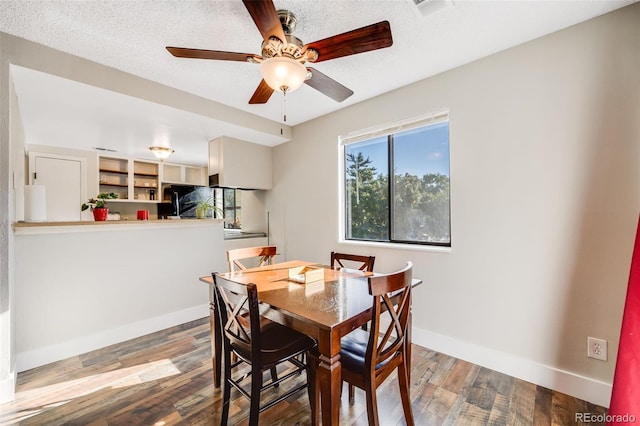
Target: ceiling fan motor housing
<point>293,49</point>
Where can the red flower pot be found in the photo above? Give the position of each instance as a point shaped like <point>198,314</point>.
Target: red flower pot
<point>100,214</point>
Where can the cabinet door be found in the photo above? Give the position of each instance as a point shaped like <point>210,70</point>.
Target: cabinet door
<point>240,164</point>
<point>62,178</point>
<point>195,175</point>
<point>184,174</point>
<point>171,173</point>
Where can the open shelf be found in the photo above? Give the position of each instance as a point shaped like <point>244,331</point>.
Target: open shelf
<point>114,184</point>
<point>105,170</point>
<point>132,180</point>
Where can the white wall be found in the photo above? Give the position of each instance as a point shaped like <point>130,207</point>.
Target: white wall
<point>80,288</point>
<point>253,213</point>
<point>544,200</point>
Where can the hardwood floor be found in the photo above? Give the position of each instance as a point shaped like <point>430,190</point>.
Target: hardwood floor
<point>165,378</point>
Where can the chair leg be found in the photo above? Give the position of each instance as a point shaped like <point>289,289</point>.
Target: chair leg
<point>274,377</point>
<point>256,385</point>
<point>372,405</point>
<point>226,398</point>
<point>352,394</point>
<point>405,393</point>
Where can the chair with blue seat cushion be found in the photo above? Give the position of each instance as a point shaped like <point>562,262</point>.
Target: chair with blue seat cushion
<point>368,358</point>
<point>357,262</point>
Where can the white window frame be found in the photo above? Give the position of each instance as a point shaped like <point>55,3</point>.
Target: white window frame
<point>370,133</point>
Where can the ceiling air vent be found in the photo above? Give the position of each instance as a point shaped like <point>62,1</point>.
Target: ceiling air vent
<point>426,7</point>
<point>99,148</point>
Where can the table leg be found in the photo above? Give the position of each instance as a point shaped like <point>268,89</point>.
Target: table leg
<point>313,384</point>
<point>329,375</point>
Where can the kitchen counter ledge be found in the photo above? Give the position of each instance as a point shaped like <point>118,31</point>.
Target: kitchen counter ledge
<point>35,228</point>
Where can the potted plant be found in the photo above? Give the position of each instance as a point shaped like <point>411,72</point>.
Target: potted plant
<point>203,207</point>
<point>98,205</point>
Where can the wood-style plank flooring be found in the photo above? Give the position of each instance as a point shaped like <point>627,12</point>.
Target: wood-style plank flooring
<point>165,378</point>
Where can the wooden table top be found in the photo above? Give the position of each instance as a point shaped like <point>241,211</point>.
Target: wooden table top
<point>327,303</point>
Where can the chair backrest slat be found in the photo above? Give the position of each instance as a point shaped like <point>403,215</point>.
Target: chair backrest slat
<point>344,260</point>
<point>265,255</point>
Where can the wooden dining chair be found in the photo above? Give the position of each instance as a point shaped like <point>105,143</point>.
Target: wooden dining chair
<point>352,261</point>
<point>263,254</point>
<point>369,358</point>
<point>263,345</point>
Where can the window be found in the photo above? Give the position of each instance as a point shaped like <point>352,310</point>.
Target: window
<point>413,206</point>
<point>229,199</point>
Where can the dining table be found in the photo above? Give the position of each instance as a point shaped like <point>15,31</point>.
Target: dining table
<point>326,309</point>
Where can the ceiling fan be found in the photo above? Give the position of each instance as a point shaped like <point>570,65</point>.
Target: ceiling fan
<point>283,59</point>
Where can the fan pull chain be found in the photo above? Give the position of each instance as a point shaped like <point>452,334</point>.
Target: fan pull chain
<point>284,106</point>
<point>282,113</point>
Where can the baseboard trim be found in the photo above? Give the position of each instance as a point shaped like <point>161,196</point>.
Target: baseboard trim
<point>7,388</point>
<point>31,359</point>
<point>578,386</point>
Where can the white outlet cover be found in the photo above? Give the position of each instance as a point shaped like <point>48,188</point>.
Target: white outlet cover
<point>597,348</point>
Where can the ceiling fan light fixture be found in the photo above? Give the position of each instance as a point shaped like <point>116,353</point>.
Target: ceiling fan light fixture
<point>283,73</point>
<point>161,152</point>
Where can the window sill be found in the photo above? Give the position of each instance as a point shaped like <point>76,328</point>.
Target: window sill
<point>398,246</point>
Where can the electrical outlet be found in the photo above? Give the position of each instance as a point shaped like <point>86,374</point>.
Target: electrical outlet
<point>597,348</point>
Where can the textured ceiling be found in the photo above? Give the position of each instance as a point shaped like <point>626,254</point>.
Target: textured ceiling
<point>131,36</point>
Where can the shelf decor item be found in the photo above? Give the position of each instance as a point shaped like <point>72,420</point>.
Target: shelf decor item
<point>98,205</point>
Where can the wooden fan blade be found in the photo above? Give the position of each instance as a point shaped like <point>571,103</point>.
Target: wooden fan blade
<point>266,18</point>
<point>372,37</point>
<point>184,52</point>
<point>262,94</point>
<point>328,86</point>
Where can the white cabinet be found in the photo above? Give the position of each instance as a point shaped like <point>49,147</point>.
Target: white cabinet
<point>184,174</point>
<point>239,164</point>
